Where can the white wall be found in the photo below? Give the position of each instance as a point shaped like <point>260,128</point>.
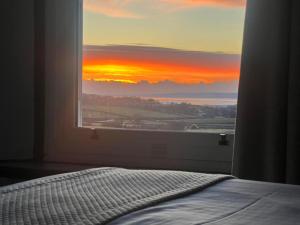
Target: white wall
<point>17,74</point>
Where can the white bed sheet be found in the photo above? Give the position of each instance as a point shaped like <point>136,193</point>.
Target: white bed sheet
<point>230,202</point>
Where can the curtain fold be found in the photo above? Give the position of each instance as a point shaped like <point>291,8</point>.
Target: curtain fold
<point>267,146</point>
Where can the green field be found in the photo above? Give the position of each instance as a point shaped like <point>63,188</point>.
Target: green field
<point>133,113</point>
<point>126,113</point>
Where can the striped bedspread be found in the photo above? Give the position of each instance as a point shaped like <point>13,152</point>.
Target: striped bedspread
<point>95,196</point>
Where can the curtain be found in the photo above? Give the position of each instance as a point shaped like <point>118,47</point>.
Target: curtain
<point>39,79</point>
<point>267,140</point>
<point>17,80</point>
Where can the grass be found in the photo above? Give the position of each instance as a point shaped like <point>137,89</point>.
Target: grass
<point>114,112</point>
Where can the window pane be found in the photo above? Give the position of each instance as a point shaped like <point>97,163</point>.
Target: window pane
<point>161,65</point>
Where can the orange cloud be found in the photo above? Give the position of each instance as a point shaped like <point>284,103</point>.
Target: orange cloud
<point>111,8</point>
<point>212,3</point>
<point>124,9</point>
<point>133,64</point>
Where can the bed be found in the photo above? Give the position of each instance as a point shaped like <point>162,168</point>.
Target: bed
<point>118,196</point>
<point>229,202</point>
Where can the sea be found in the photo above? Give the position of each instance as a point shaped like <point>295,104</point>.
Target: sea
<point>197,101</point>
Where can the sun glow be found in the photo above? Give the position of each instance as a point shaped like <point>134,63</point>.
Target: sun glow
<point>112,72</point>
<point>155,72</point>
<point>114,80</point>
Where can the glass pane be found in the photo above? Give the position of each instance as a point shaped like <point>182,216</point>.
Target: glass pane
<point>162,64</point>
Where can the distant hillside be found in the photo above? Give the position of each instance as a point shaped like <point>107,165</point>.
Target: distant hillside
<point>137,113</point>
<point>195,95</point>
<point>95,101</point>
<point>165,89</point>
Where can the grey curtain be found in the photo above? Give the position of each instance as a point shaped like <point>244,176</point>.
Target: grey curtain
<point>267,141</point>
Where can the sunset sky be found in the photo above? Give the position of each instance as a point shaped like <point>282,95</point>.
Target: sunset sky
<point>184,41</point>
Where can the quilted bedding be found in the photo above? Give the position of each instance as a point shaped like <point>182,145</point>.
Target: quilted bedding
<point>95,196</point>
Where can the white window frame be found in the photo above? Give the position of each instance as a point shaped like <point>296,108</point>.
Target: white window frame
<point>66,141</point>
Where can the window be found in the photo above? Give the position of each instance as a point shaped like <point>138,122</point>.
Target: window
<point>161,65</point>
<point>89,120</point>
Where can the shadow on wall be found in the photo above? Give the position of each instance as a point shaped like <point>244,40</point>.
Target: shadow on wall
<point>18,100</point>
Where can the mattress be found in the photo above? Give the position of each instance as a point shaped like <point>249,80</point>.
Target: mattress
<point>198,199</point>
<point>229,202</point>
<point>95,196</point>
